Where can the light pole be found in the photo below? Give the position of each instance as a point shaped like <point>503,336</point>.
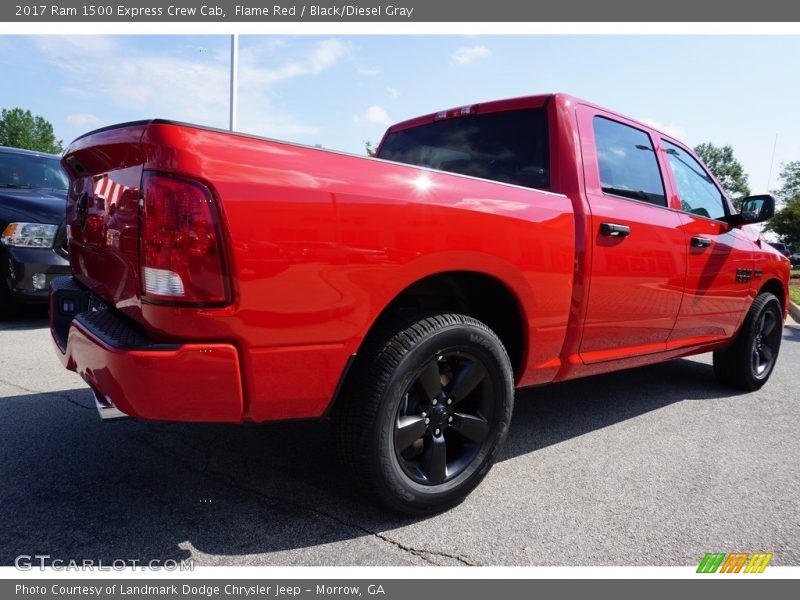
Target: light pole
<point>234,77</point>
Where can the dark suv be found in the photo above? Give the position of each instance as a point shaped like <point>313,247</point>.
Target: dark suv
<point>782,248</point>
<point>33,193</point>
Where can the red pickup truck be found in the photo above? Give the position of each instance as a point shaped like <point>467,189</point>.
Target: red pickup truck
<point>227,278</point>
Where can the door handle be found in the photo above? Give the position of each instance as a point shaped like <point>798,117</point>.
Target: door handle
<point>614,230</point>
<point>700,242</point>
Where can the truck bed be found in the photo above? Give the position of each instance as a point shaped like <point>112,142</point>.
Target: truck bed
<point>311,257</point>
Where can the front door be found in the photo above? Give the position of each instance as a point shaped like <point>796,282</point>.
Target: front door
<point>638,247</point>
<point>720,257</point>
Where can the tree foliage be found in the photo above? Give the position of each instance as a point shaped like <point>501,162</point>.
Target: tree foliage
<point>727,169</point>
<point>786,222</point>
<point>790,176</point>
<point>21,129</point>
<point>369,148</point>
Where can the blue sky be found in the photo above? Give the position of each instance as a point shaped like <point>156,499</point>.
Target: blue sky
<point>338,91</point>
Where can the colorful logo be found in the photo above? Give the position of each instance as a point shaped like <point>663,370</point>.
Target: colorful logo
<point>744,562</point>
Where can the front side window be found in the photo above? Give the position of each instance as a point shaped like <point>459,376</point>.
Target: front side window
<point>698,193</point>
<point>627,162</point>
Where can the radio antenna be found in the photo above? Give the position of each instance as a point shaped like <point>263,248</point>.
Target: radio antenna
<point>772,162</point>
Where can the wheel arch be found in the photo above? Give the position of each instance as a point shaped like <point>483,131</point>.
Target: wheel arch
<point>459,290</point>
<point>775,287</point>
<point>476,294</point>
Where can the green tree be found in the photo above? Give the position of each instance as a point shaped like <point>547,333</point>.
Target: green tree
<point>728,171</point>
<point>369,148</point>
<point>21,129</point>
<point>786,222</point>
<point>790,175</point>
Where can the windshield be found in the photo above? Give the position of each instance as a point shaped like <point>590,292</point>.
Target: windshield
<point>509,146</point>
<point>30,171</point>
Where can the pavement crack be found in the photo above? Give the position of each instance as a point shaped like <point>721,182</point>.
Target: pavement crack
<point>422,553</point>
<point>62,395</point>
<point>71,401</point>
<point>227,479</point>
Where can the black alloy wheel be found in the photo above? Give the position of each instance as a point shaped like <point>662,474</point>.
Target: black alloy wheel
<point>749,361</point>
<point>444,418</point>
<point>766,343</point>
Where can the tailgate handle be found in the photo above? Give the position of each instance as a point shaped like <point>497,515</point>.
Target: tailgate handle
<point>81,208</point>
<point>700,242</point>
<point>614,230</point>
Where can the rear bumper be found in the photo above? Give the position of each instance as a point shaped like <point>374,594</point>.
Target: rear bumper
<point>139,377</point>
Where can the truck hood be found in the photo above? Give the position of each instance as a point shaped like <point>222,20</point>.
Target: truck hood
<point>37,205</point>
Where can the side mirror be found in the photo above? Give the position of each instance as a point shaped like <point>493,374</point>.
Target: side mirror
<point>755,209</point>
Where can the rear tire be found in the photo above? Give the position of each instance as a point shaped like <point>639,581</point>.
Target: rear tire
<point>748,363</point>
<point>424,416</point>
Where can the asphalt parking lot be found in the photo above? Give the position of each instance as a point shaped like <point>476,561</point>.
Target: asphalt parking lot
<point>654,466</point>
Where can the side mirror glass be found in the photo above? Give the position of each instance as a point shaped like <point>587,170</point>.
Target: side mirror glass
<point>755,209</point>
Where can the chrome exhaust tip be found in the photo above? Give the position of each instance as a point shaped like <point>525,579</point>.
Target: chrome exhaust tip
<point>106,408</point>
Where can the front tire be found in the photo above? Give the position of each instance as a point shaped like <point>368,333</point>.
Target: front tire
<point>426,414</point>
<point>748,363</point>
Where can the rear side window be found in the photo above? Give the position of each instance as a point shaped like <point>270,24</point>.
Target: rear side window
<point>698,193</point>
<point>627,162</point>
<point>508,146</point>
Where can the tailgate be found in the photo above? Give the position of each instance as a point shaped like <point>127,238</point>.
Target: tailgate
<point>105,169</point>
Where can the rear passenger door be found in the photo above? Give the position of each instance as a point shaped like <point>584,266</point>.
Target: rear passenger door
<point>720,257</point>
<point>638,262</point>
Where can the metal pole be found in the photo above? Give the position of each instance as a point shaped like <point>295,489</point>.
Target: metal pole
<point>234,78</point>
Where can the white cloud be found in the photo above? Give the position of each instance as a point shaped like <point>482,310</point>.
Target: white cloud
<point>324,55</point>
<point>88,45</point>
<point>267,120</point>
<point>374,114</point>
<point>368,71</point>
<point>394,93</point>
<point>83,121</point>
<point>189,87</point>
<point>74,90</point>
<point>468,54</point>
<point>672,129</point>
<point>145,84</point>
<point>268,44</point>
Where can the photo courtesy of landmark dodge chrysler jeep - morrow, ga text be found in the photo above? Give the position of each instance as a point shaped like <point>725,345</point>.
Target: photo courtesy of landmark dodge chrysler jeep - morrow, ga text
<point>506,244</point>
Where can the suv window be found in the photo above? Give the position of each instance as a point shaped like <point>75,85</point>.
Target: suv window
<point>509,146</point>
<point>31,171</point>
<point>698,193</point>
<point>627,162</point>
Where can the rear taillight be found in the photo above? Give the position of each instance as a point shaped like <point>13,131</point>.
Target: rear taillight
<point>181,250</point>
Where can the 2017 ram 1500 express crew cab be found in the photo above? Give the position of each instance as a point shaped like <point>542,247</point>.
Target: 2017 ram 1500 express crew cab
<point>494,246</point>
